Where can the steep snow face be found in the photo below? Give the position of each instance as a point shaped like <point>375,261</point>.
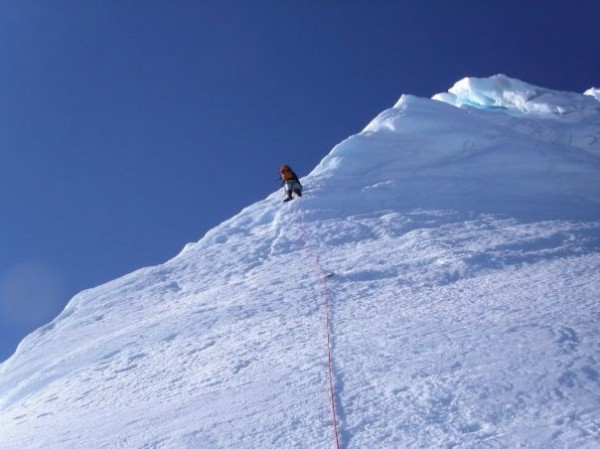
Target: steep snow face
<point>465,242</point>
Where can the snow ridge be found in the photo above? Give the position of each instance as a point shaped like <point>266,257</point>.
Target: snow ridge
<point>464,233</point>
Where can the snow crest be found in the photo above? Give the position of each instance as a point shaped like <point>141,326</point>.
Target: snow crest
<point>593,92</point>
<point>502,92</point>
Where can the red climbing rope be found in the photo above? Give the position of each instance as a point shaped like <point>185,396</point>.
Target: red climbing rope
<point>326,300</point>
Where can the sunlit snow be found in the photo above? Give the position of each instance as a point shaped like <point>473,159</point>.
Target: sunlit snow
<point>463,232</point>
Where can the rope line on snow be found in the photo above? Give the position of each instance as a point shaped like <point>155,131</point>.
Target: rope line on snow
<point>324,275</point>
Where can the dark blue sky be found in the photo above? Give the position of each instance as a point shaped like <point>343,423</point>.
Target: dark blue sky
<point>129,128</point>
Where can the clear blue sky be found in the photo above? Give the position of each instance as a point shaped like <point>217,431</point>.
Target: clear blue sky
<point>129,128</point>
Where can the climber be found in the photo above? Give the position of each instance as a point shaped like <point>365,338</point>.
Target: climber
<point>290,182</point>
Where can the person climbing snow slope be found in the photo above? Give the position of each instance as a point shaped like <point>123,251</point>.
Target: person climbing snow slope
<point>290,181</point>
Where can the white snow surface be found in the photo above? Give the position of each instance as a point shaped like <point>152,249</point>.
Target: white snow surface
<point>464,234</point>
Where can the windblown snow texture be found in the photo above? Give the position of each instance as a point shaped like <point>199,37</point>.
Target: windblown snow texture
<point>464,233</point>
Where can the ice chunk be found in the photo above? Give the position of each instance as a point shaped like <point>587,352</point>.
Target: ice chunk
<point>517,97</point>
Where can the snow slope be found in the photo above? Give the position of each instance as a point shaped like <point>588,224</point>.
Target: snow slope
<point>464,233</point>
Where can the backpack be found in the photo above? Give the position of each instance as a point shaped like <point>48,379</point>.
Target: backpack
<point>287,174</point>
